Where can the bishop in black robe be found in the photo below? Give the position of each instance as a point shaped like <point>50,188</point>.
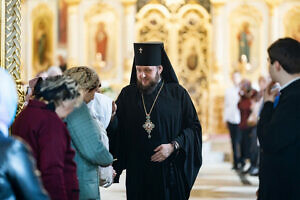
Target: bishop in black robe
<point>175,119</point>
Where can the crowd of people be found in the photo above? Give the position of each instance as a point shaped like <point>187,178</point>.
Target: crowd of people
<point>241,112</point>
<point>65,138</point>
<point>69,139</point>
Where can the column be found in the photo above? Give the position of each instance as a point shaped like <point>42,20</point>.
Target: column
<point>73,32</point>
<point>173,28</point>
<point>219,68</point>
<point>274,28</point>
<point>129,36</point>
<point>217,40</point>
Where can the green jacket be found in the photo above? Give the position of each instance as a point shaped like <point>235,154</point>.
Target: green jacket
<point>90,151</point>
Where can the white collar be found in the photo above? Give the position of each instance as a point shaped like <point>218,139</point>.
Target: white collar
<point>288,83</point>
<point>3,129</point>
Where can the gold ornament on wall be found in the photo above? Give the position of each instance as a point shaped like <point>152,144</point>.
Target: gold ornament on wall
<point>193,57</point>
<point>10,44</point>
<point>152,20</point>
<point>2,33</point>
<point>292,23</point>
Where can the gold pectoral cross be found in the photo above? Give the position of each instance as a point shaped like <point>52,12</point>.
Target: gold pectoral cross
<point>148,126</point>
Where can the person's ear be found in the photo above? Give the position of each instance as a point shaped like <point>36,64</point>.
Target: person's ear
<point>160,69</point>
<point>277,66</point>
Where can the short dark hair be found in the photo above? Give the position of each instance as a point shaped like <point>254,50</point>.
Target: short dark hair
<point>287,52</point>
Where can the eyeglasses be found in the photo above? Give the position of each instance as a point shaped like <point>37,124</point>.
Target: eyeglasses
<point>97,87</point>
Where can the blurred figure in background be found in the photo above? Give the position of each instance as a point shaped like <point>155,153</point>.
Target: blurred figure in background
<point>62,63</point>
<point>30,87</point>
<point>248,128</point>
<point>17,172</point>
<point>54,71</point>
<point>232,118</point>
<point>262,83</point>
<point>40,125</point>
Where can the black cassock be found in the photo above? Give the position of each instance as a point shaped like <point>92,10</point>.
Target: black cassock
<point>175,118</point>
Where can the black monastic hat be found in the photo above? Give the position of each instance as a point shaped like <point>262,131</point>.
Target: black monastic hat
<point>152,54</point>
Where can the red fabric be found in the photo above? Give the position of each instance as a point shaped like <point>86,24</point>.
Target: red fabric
<point>245,109</point>
<point>50,141</point>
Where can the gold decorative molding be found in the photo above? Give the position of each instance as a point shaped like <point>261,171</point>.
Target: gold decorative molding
<point>272,4</point>
<point>194,58</point>
<point>73,2</point>
<point>154,2</point>
<point>12,44</point>
<point>2,33</point>
<point>127,5</point>
<point>217,8</point>
<point>218,2</point>
<point>152,22</point>
<point>128,2</point>
<point>291,22</point>
<point>192,2</point>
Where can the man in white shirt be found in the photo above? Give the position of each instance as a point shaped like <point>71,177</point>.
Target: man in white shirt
<point>232,118</point>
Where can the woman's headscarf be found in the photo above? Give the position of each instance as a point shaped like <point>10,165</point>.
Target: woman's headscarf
<point>8,100</point>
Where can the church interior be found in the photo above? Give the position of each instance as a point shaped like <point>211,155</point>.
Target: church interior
<point>206,41</point>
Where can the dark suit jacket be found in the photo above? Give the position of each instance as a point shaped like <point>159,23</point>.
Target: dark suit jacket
<point>279,136</point>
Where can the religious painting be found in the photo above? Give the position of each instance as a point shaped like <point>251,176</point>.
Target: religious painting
<point>41,44</point>
<point>100,56</point>
<point>62,23</point>
<point>292,23</point>
<point>245,39</point>
<point>192,59</point>
<point>102,39</point>
<point>42,39</point>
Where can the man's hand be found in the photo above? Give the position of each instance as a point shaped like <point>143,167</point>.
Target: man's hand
<point>271,92</point>
<point>114,174</point>
<point>114,110</point>
<point>162,152</point>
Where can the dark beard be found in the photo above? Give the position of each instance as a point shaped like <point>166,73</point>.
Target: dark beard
<point>149,88</point>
